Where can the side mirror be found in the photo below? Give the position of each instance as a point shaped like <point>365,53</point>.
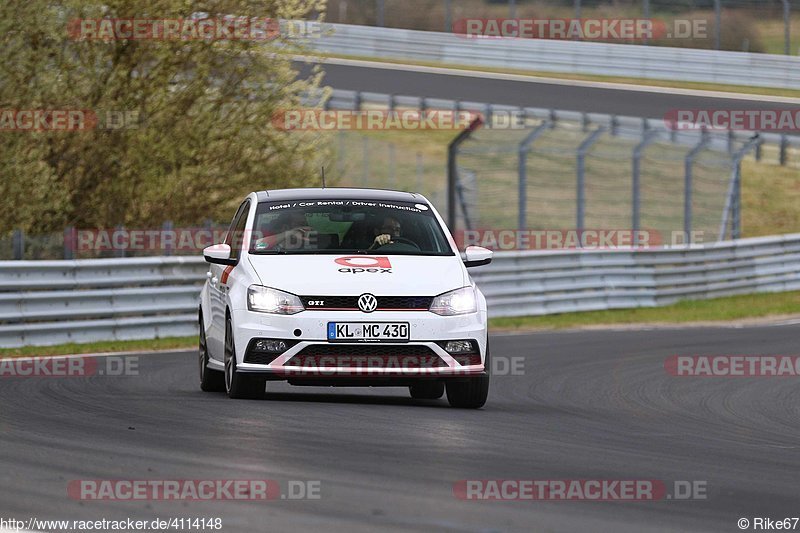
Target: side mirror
<point>219,254</point>
<point>477,256</point>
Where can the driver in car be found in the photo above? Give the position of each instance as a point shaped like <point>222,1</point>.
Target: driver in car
<point>290,231</point>
<point>390,229</point>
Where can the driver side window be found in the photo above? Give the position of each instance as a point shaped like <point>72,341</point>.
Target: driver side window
<point>236,233</point>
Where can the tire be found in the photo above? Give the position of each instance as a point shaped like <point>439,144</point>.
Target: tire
<point>470,393</point>
<point>427,390</point>
<point>210,380</point>
<point>239,386</point>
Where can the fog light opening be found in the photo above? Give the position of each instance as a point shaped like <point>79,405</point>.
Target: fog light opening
<point>270,346</point>
<point>459,347</point>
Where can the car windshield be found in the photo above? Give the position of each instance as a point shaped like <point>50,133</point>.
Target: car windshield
<point>347,226</point>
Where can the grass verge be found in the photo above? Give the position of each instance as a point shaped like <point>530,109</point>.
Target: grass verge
<point>169,343</point>
<point>716,310</point>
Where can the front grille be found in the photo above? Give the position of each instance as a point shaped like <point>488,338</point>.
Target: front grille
<point>350,303</point>
<point>366,356</point>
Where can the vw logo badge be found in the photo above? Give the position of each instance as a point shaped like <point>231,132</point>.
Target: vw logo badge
<point>367,303</point>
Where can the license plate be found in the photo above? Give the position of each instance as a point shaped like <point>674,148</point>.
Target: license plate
<point>368,331</point>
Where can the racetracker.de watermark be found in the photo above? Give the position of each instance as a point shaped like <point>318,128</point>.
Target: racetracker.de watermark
<point>632,490</point>
<point>573,239</point>
<point>42,120</point>
<point>553,239</point>
<point>150,240</point>
<point>594,29</point>
<point>231,28</point>
<point>193,489</point>
<point>732,366</point>
<point>71,366</point>
<point>377,365</point>
<point>377,119</point>
<point>763,120</point>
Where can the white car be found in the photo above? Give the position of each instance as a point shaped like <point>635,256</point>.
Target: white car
<point>344,287</point>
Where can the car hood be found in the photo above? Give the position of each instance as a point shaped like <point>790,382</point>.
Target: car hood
<point>348,275</point>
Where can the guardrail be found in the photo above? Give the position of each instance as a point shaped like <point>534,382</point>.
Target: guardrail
<point>540,283</point>
<point>87,300</point>
<point>633,61</point>
<point>54,302</point>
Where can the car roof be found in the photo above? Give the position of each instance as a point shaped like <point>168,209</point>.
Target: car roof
<point>333,193</point>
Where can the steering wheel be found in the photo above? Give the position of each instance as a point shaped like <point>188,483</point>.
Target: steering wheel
<point>401,240</point>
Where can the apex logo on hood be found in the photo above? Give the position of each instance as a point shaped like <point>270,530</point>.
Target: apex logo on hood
<point>356,264</point>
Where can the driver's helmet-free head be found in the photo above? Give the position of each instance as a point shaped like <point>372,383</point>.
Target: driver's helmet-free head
<point>389,226</point>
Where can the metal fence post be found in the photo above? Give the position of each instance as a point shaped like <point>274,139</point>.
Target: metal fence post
<point>736,229</point>
<point>392,183</point>
<point>649,138</point>
<point>583,149</point>
<point>787,28</point>
<point>522,193</point>
<point>717,24</point>
<point>167,227</point>
<point>365,175</point>
<point>687,185</point>
<point>419,171</point>
<point>120,252</point>
<point>512,9</point>
<point>448,16</point>
<point>646,14</point>
<point>733,202</point>
<point>69,242</point>
<point>18,244</point>
<point>784,148</point>
<point>379,12</point>
<point>340,154</point>
<point>452,170</point>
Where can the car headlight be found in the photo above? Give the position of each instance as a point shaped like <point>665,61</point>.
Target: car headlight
<point>266,300</point>
<point>458,302</point>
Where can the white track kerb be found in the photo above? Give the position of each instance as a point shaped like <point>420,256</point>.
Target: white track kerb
<point>343,286</point>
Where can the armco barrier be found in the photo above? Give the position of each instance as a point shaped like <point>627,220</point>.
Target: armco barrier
<point>540,283</point>
<point>54,302</point>
<point>632,61</point>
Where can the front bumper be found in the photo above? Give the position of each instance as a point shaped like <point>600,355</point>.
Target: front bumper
<point>309,328</point>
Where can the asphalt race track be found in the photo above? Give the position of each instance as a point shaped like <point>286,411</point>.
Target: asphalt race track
<point>588,405</point>
<point>564,95</point>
